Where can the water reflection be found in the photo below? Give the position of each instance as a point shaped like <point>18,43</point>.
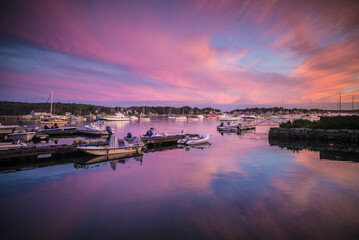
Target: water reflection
<point>328,150</point>
<point>239,187</point>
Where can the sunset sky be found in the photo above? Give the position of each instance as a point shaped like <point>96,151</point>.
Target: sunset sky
<point>180,52</point>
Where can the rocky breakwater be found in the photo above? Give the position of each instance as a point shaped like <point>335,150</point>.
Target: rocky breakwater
<point>337,135</point>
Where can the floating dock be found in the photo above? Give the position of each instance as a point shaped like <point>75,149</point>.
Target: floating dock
<point>59,149</point>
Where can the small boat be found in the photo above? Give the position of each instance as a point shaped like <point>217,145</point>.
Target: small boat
<point>181,118</point>
<point>171,117</point>
<point>200,139</point>
<point>229,126</point>
<point>7,129</point>
<point>8,145</point>
<point>95,128</point>
<point>133,118</point>
<point>117,117</point>
<point>249,117</point>
<point>22,135</point>
<point>58,129</point>
<point>113,148</point>
<point>199,116</point>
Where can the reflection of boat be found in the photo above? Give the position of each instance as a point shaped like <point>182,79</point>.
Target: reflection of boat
<point>113,148</point>
<point>195,140</point>
<point>199,146</point>
<point>117,117</point>
<point>22,135</point>
<point>121,156</point>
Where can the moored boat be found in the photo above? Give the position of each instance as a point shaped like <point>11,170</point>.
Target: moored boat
<point>22,135</point>
<point>199,139</point>
<point>117,117</point>
<point>112,148</point>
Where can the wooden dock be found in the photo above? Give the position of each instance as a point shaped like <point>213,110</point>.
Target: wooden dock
<point>37,150</point>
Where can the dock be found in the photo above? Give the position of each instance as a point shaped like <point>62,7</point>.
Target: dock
<point>61,149</point>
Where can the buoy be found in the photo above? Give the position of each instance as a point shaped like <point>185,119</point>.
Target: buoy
<point>331,145</point>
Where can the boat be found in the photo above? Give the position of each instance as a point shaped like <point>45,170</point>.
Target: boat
<point>143,117</point>
<point>199,139</point>
<point>9,146</point>
<point>95,128</point>
<point>5,129</point>
<point>229,126</point>
<point>199,116</point>
<point>181,118</point>
<point>22,135</point>
<point>133,118</point>
<point>117,117</point>
<point>113,148</point>
<point>170,115</point>
<point>229,118</point>
<point>249,117</point>
<point>58,129</point>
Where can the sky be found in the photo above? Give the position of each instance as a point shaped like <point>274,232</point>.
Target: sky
<point>196,53</point>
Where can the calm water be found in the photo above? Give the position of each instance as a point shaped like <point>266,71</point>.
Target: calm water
<point>240,187</point>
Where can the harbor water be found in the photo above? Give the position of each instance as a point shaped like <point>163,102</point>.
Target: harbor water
<point>238,187</point>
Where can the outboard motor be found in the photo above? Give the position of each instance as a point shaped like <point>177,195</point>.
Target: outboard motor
<point>149,133</point>
<point>109,130</point>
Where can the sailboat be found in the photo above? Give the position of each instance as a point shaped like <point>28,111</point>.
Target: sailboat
<point>143,117</point>
<point>224,117</point>
<point>181,117</point>
<point>170,115</point>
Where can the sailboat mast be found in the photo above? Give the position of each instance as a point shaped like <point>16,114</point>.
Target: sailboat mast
<point>353,104</point>
<point>52,99</point>
<point>340,102</point>
<point>225,101</point>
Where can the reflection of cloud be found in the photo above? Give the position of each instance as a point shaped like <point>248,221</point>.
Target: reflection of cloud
<point>306,187</point>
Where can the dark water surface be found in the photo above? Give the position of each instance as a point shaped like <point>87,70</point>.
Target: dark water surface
<point>240,187</point>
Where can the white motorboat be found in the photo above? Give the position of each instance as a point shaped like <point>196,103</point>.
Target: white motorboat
<point>58,129</point>
<point>7,129</point>
<point>181,118</point>
<point>22,135</point>
<point>97,128</point>
<point>229,126</point>
<point>199,116</point>
<point>113,148</point>
<point>195,140</point>
<point>133,118</point>
<point>171,117</point>
<point>249,117</point>
<point>7,146</point>
<point>117,117</point>
<point>145,119</point>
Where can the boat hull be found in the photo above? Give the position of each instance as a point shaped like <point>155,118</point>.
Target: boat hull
<point>26,136</point>
<point>104,150</point>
